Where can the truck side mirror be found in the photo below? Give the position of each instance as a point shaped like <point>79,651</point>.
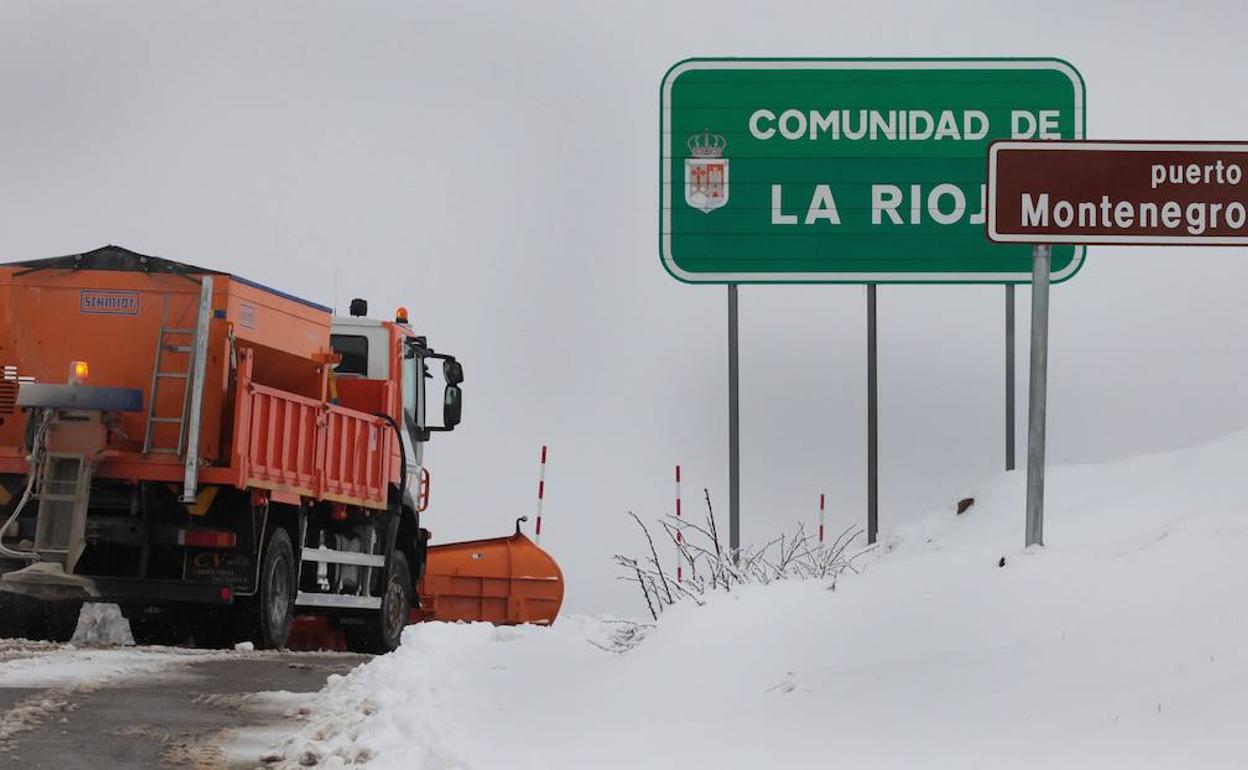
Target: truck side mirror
<point>453,371</point>
<point>452,406</point>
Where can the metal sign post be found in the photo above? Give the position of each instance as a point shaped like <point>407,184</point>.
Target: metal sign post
<point>873,432</point>
<point>1009,377</point>
<point>1037,394</point>
<point>734,429</point>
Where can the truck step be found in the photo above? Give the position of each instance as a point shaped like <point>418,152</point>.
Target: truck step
<point>337,601</point>
<point>343,557</point>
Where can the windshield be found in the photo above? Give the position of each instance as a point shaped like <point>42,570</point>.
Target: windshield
<point>413,392</point>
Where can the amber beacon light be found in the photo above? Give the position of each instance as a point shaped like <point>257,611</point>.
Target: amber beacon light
<point>79,371</point>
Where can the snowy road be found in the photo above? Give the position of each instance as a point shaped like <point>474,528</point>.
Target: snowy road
<point>67,707</point>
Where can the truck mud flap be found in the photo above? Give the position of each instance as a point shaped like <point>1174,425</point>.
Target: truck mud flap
<point>235,569</point>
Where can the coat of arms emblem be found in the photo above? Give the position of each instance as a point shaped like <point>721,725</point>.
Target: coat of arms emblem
<point>706,172</point>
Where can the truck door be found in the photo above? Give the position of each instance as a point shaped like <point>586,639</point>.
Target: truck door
<point>413,388</point>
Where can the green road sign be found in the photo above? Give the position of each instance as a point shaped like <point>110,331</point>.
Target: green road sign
<point>850,170</point>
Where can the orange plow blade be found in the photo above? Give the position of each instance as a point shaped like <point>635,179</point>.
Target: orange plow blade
<point>500,580</point>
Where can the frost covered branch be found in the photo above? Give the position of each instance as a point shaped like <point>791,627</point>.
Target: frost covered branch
<point>710,567</point>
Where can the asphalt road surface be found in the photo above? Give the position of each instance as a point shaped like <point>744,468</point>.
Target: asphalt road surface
<point>68,708</point>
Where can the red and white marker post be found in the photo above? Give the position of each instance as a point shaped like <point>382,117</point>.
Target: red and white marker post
<point>680,536</point>
<point>541,492</point>
<point>821,518</point>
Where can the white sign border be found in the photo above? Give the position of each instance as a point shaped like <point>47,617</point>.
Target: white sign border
<point>1113,240</point>
<point>665,225</point>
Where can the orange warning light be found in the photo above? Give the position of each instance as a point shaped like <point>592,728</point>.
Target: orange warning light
<point>400,316</point>
<point>78,372</point>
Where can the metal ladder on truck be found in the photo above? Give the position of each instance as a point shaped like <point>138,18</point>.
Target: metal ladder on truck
<point>188,421</point>
<point>64,493</point>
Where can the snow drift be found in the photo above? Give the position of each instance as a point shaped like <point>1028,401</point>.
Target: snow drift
<point>1122,643</point>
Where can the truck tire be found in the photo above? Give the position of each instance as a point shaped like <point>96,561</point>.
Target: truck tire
<point>38,620</point>
<point>156,627</point>
<point>22,617</point>
<point>267,616</point>
<point>180,625</point>
<point>381,631</point>
<point>62,620</point>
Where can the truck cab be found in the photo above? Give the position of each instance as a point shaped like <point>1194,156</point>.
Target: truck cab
<point>373,352</point>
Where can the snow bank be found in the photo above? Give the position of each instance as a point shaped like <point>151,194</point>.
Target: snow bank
<point>1122,643</point>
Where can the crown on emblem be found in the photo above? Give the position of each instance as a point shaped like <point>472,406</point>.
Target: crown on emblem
<point>706,145</point>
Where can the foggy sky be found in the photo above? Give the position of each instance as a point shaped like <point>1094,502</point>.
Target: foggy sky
<point>494,167</point>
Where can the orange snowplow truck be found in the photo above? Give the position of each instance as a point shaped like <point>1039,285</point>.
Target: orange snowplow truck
<point>218,457</point>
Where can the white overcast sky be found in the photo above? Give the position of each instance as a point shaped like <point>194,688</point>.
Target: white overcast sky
<point>494,167</point>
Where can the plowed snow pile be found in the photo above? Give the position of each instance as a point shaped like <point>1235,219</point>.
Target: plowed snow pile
<point>1122,644</point>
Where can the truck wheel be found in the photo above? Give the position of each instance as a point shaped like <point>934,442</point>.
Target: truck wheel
<point>213,629</point>
<point>155,626</point>
<point>37,620</point>
<point>62,620</point>
<point>267,615</point>
<point>381,631</point>
<point>21,617</point>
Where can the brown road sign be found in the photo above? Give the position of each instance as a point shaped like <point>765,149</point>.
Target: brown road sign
<point>1133,193</point>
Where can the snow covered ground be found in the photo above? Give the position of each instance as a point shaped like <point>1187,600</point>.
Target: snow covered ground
<point>46,666</point>
<point>50,677</point>
<point>1121,644</point>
